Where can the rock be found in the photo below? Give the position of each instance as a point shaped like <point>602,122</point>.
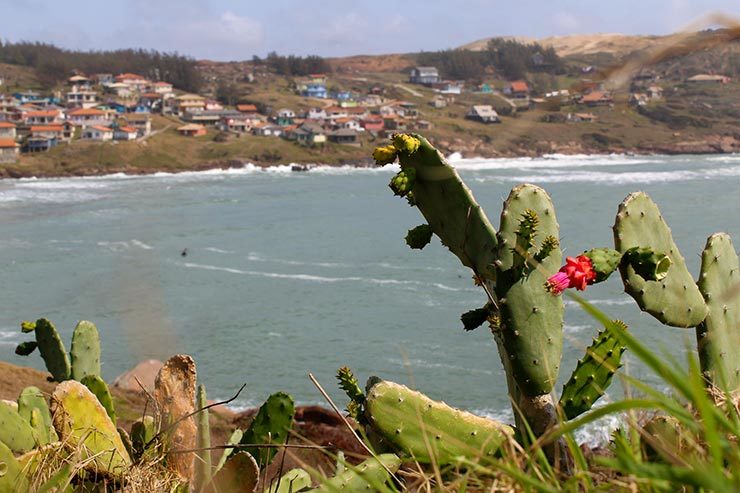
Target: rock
<point>145,372</point>
<point>174,391</point>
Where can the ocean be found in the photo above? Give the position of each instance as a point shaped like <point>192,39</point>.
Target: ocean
<point>288,273</point>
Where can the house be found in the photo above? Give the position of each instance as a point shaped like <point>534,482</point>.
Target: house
<point>395,122</point>
<point>597,98</point>
<point>7,130</point>
<point>372,123</point>
<point>125,133</point>
<point>213,105</point>
<point>97,132</point>
<point>239,123</point>
<point>38,144</point>
<point>424,75</point>
<point>27,97</point>
<point>42,117</point>
<point>313,90</point>
<point>205,117</point>
<point>188,102</point>
<point>247,108</point>
<point>58,132</point>
<point>79,82</point>
<point>372,100</point>
<point>422,125</point>
<point>152,101</point>
<point>88,116</point>
<point>118,89</point>
<point>708,79</point>
<point>518,90</point>
<point>344,136</point>
<point>638,99</point>
<point>348,122</point>
<point>162,88</point>
<point>438,102</point>
<point>113,106</point>
<point>141,122</point>
<point>104,78</point>
<point>284,117</point>
<point>655,92</point>
<point>450,88</point>
<point>483,113</point>
<point>307,134</point>
<point>264,129</point>
<point>343,96</point>
<point>134,81</point>
<point>357,112</point>
<point>8,150</point>
<point>334,112</point>
<point>582,117</point>
<point>79,98</point>
<point>316,114</point>
<point>317,78</point>
<point>192,130</point>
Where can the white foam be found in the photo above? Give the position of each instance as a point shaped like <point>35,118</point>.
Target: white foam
<point>421,363</point>
<point>217,250</point>
<point>118,246</point>
<point>320,279</point>
<point>10,338</point>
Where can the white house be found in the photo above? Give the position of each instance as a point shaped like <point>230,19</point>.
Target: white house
<point>125,133</point>
<point>483,113</point>
<point>97,132</point>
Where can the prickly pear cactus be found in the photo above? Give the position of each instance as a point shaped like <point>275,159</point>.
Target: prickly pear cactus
<point>98,387</point>
<point>234,439</point>
<point>271,425</point>
<point>531,318</point>
<point>593,373</point>
<point>143,431</point>
<point>12,478</point>
<point>430,431</point>
<point>240,473</point>
<point>675,300</point>
<point>203,463</point>
<point>82,422</point>
<point>369,475</point>
<point>33,408</point>
<point>15,430</point>
<point>718,336</point>
<point>291,482</point>
<point>52,350</point>
<point>85,351</point>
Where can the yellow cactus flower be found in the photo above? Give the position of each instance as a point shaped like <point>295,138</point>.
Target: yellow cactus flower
<point>384,155</point>
<point>406,143</point>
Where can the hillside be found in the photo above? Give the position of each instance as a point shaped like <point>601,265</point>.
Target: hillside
<point>584,44</point>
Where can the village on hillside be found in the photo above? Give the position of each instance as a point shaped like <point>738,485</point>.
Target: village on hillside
<point>111,108</point>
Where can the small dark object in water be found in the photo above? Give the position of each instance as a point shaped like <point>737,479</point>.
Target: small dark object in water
<point>299,167</point>
<point>184,253</point>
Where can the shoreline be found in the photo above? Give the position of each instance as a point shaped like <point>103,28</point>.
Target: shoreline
<point>240,164</point>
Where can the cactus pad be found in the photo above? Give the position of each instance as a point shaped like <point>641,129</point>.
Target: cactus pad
<point>98,387</point>
<point>593,373</point>
<point>33,408</point>
<point>449,207</point>
<point>718,336</point>
<point>428,430</point>
<point>85,351</point>
<point>12,478</point>
<point>83,423</point>
<point>271,425</point>
<point>419,237</point>
<point>369,475</point>
<point>203,441</point>
<point>234,439</point>
<point>240,473</point>
<point>292,481</point>
<point>15,430</point>
<point>25,348</point>
<point>675,300</point>
<point>143,431</point>
<point>531,318</point>
<point>52,350</point>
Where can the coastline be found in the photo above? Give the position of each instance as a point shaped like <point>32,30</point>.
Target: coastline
<point>717,145</point>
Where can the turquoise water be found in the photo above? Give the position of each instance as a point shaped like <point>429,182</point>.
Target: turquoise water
<point>288,272</point>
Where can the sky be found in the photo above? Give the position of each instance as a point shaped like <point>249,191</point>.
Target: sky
<point>236,30</point>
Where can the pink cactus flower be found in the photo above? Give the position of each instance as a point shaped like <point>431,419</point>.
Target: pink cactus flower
<point>577,273</point>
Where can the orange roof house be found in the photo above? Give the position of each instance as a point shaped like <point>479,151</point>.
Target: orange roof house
<point>246,108</point>
<point>8,144</point>
<point>597,98</point>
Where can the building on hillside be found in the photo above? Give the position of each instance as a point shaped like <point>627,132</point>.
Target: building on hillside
<point>103,79</point>
<point>344,136</point>
<point>264,129</point>
<point>42,117</point>
<point>249,109</point>
<point>307,134</point>
<point>347,123</point>
<point>81,98</point>
<point>582,117</point>
<point>61,133</point>
<point>313,90</point>
<point>142,122</point>
<point>187,102</point>
<point>28,97</point>
<point>38,144</point>
<point>152,101</point>
<point>125,133</point>
<point>284,117</point>
<point>98,133</point>
<point>79,83</point>
<point>483,113</point>
<point>424,75</point>
<point>8,150</point>
<point>315,114</point>
<point>192,130</point>
<point>450,88</point>
<point>163,88</point>
<point>438,102</point>
<point>597,98</point>
<point>213,105</point>
<point>88,116</point>
<point>118,89</point>
<point>8,130</point>
<point>205,117</point>
<point>372,123</point>
<point>134,81</point>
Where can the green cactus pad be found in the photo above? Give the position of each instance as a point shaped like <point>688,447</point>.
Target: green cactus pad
<point>718,336</point>
<point>12,478</point>
<point>531,318</point>
<point>26,348</point>
<point>32,399</point>
<point>428,430</point>
<point>52,350</point>
<point>98,387</point>
<point>143,431</point>
<point>291,482</point>
<point>369,475</point>
<point>85,351</point>
<point>203,462</point>
<point>675,300</point>
<point>234,439</point>
<point>450,209</point>
<point>419,237</point>
<point>604,261</point>
<point>271,425</point>
<point>593,373</point>
<point>240,473</point>
<point>15,430</point>
<point>82,422</point>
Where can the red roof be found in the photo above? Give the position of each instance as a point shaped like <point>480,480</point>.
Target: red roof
<point>519,86</point>
<point>356,110</point>
<point>595,96</point>
<point>42,113</point>
<point>152,95</point>
<point>129,130</point>
<point>101,129</point>
<point>129,76</point>
<point>47,128</point>
<point>86,112</point>
<point>7,143</point>
<point>163,84</point>
<point>246,108</point>
<point>7,125</point>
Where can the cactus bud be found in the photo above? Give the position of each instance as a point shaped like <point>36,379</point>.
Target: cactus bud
<point>349,384</point>
<point>27,326</point>
<point>419,237</point>
<point>549,244</point>
<point>406,143</point>
<point>650,265</point>
<point>474,318</point>
<point>384,155</point>
<point>26,348</point>
<point>604,261</point>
